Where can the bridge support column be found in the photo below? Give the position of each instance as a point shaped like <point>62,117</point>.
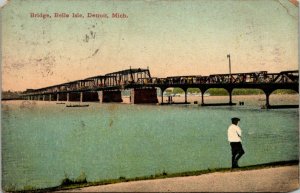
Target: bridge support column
<point>162,95</point>
<point>50,97</point>
<point>81,96</point>
<point>106,96</point>
<point>57,97</point>
<point>267,93</point>
<point>230,96</point>
<point>185,96</point>
<point>202,91</point>
<point>68,96</point>
<point>43,97</point>
<point>144,95</point>
<point>267,100</point>
<point>202,95</point>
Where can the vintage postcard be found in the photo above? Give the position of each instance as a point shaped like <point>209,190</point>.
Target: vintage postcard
<point>149,96</point>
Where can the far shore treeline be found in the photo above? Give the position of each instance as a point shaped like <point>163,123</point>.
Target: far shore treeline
<point>212,92</point>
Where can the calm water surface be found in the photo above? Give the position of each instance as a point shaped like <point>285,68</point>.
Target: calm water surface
<point>43,142</point>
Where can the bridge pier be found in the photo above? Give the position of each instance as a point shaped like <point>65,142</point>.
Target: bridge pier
<point>185,95</point>
<point>267,100</point>
<point>162,95</point>
<point>230,95</point>
<point>202,95</point>
<point>267,93</point>
<point>144,95</point>
<point>106,96</point>
<point>68,96</point>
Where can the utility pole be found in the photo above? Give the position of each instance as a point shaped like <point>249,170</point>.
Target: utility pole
<point>228,56</point>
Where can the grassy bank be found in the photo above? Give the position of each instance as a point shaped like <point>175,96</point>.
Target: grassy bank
<point>81,181</point>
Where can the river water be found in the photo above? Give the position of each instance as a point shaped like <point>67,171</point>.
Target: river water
<point>44,142</point>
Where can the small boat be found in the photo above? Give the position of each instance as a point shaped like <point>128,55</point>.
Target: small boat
<point>77,105</point>
<point>60,103</point>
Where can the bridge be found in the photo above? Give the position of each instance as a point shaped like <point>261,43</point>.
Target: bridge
<point>142,86</point>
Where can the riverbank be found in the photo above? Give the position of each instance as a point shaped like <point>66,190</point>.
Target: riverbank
<point>270,179</point>
<point>278,179</point>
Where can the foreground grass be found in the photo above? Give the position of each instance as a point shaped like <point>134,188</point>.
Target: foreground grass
<point>82,182</point>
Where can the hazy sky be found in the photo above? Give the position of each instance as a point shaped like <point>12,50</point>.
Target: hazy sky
<point>179,37</point>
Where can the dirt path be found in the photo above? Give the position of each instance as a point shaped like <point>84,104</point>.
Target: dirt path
<point>277,179</point>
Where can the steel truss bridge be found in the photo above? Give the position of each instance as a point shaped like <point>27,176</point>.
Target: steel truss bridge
<point>141,78</point>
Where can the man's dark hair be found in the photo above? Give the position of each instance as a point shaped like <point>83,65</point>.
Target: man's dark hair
<point>235,120</point>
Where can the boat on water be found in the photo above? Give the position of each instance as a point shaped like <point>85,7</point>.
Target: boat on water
<point>78,105</point>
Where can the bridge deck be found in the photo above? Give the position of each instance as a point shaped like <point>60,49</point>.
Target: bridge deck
<point>137,78</point>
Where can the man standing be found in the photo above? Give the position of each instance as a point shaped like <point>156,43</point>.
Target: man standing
<point>234,137</point>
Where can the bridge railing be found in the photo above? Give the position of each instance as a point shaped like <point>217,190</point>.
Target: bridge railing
<point>286,76</point>
<point>238,78</point>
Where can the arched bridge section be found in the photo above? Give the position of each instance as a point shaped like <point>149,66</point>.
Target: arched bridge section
<point>267,82</point>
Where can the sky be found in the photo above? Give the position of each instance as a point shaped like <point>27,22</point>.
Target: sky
<point>179,37</point>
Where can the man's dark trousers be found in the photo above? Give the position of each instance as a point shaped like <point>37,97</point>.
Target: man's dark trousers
<point>237,152</point>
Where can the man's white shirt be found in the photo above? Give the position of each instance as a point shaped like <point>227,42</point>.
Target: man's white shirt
<point>234,133</point>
